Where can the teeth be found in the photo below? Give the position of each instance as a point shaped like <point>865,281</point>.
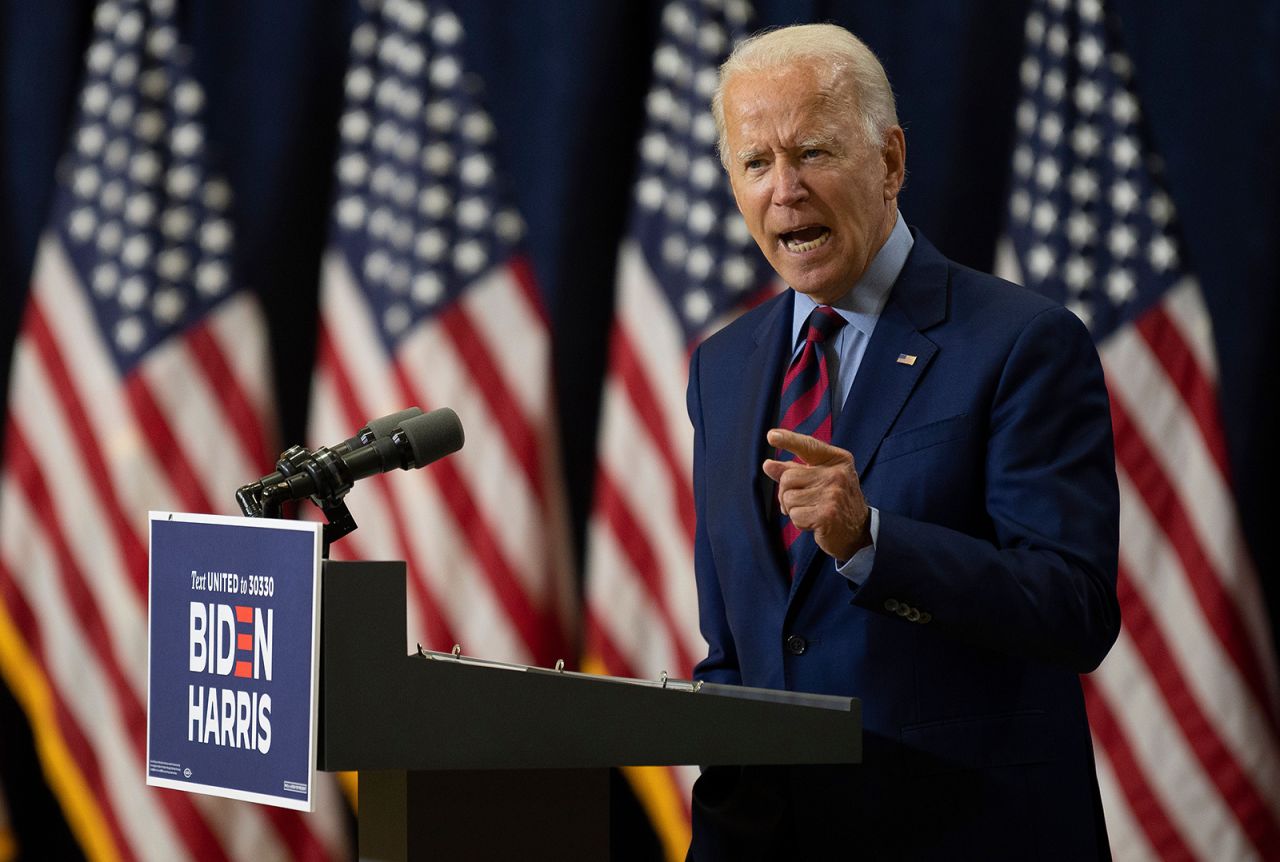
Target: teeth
<point>792,245</point>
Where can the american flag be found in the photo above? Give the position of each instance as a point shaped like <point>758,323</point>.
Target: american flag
<point>139,381</point>
<point>1183,710</point>
<point>427,300</point>
<point>687,264</point>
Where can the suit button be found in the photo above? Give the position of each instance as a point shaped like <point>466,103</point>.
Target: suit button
<point>903,610</point>
<point>890,605</point>
<point>796,645</point>
<point>925,617</point>
<point>914,615</point>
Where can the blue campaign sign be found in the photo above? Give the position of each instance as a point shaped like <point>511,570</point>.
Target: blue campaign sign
<point>234,659</point>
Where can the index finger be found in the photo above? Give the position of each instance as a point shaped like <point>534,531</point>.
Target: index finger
<point>809,449</point>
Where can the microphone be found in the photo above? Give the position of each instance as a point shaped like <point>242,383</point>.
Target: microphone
<point>295,458</point>
<point>329,474</point>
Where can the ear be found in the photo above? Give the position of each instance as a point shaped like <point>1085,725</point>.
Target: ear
<point>894,155</point>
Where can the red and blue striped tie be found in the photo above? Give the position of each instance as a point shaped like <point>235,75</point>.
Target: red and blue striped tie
<point>805,406</point>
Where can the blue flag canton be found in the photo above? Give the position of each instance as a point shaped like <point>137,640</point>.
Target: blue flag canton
<point>421,211</point>
<point>684,217</point>
<point>144,222</point>
<point>1088,216</point>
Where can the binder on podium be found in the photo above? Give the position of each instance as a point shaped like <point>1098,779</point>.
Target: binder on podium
<point>466,759</point>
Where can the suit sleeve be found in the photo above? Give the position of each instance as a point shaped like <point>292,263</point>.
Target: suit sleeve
<point>1043,583</point>
<point>721,663</point>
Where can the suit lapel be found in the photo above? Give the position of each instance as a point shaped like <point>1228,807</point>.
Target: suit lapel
<point>761,378</point>
<point>883,384</point>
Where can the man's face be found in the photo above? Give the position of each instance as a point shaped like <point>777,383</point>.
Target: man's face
<point>817,199</point>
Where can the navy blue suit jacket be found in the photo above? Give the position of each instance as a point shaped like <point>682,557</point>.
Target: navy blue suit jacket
<point>989,456</point>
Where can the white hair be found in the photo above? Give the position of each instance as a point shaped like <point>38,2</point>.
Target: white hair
<point>845,58</point>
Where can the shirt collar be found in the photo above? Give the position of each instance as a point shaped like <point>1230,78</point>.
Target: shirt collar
<point>862,305</point>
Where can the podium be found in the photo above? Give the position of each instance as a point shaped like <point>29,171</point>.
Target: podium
<point>462,759</point>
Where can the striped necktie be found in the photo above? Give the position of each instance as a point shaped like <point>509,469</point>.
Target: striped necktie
<point>805,406</point>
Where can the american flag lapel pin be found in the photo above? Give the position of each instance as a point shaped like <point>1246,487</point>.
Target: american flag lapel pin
<point>906,359</point>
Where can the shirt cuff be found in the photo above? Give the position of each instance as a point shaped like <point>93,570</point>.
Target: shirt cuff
<point>857,567</point>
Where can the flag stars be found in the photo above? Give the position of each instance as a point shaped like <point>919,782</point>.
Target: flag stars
<point>1124,108</point>
<point>1089,52</point>
<point>1047,173</point>
<point>125,70</point>
<point>476,170</point>
<point>187,140</point>
<point>355,127</point>
<point>1162,253</point>
<point>181,181</point>
<point>704,129</point>
<point>430,245</point>
<point>211,279</point>
<point>472,213</point>
<point>697,307</point>
<point>650,193</point>
<point>406,148</point>
<point>144,167</point>
<point>112,197</point>
<point>154,84</point>
<point>1090,11</point>
<point>1124,197</point>
<point>735,229</point>
<point>1035,27</point>
<point>173,264</point>
<point>712,39</point>
<point>1051,129</point>
<point>129,334</point>
<point>470,257</point>
<point>107,16</point>
<point>1081,229</point>
<point>110,238</point>
<point>441,115</point>
<point>100,57</point>
<point>396,319</point>
<point>1054,85</point>
<point>702,218</point>
<point>1020,205</point>
<point>678,22</point>
<point>1029,72</point>
<point>86,182</point>
<point>1124,152</point>
<point>359,83</point>
<point>106,277</point>
<point>1026,117</point>
<point>737,273</point>
<point>177,223</point>
<point>82,224</point>
<point>168,306</point>
<point>445,29</point>
<point>133,293</point>
<point>140,210</point>
<point>353,168</point>
<point>1088,96</point>
<point>1083,185</point>
<point>1086,141</point>
<point>188,98</point>
<point>136,251</point>
<point>161,41</point>
<point>444,72</point>
<point>704,174</point>
<point>411,61</point>
<point>1160,208</point>
<point>121,112</point>
<point>364,39</point>
<point>705,83</point>
<point>434,201</point>
<point>215,236</point>
<point>509,225</point>
<point>117,154</point>
<point>1044,217</point>
<point>96,98</point>
<point>1057,40</point>
<point>1078,273</point>
<point>477,127</point>
<point>1082,310</point>
<point>427,288</point>
<point>674,250</point>
<point>1120,286</point>
<point>699,263</point>
<point>1040,261</point>
<point>149,126</point>
<point>1122,240</point>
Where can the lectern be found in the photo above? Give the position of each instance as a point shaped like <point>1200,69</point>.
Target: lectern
<point>460,759</point>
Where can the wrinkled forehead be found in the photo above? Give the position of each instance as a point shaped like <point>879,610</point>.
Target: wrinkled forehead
<point>787,105</point>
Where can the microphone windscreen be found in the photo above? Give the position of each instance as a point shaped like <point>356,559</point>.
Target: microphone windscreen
<point>384,425</point>
<point>432,435</point>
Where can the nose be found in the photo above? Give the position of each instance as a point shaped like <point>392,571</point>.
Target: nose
<point>788,187</point>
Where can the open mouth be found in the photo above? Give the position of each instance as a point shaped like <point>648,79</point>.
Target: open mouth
<point>806,238</point>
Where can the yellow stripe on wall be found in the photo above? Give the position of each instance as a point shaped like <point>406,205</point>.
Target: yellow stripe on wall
<point>30,686</point>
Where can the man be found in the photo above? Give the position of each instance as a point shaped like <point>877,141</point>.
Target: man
<point>935,534</point>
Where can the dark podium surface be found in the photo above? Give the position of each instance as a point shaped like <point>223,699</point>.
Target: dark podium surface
<point>466,759</point>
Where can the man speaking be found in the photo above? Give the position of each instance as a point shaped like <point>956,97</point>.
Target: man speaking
<point>905,493</point>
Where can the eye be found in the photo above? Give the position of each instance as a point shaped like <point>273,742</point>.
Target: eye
<point>811,153</point>
<point>753,164</point>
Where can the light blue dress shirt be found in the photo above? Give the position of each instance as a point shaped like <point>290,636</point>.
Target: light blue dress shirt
<point>860,308</point>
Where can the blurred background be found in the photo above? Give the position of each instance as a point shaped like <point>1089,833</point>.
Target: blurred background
<point>565,83</point>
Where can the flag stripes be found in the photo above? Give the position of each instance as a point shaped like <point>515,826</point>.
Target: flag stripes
<point>1184,709</point>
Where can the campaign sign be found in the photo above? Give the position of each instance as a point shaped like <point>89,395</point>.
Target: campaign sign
<point>233,664</point>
